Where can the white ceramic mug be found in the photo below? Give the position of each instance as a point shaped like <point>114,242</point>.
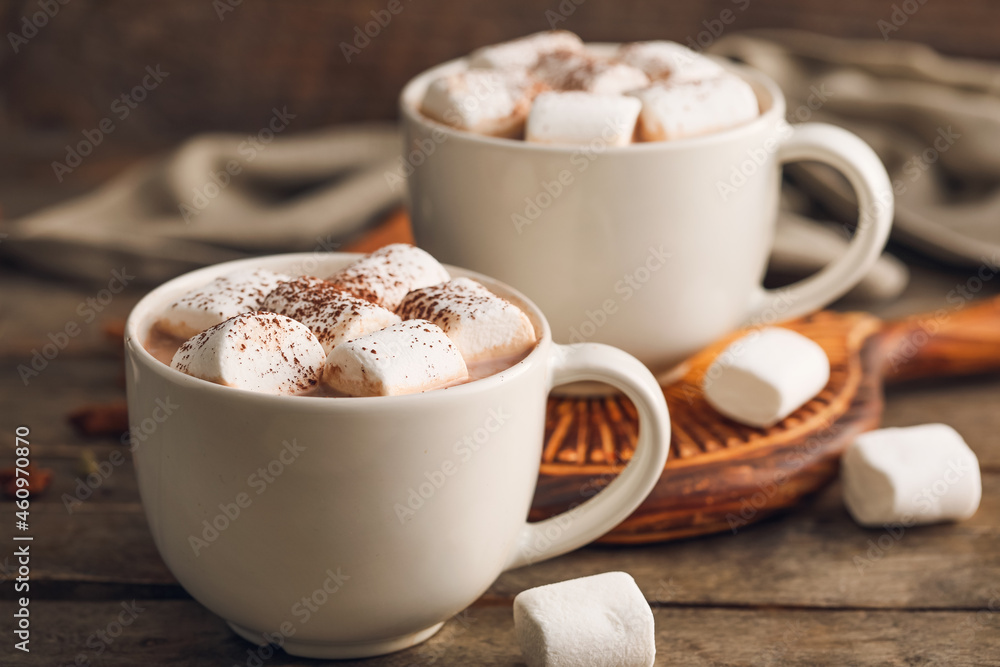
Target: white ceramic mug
<point>349,527</point>
<point>657,248</point>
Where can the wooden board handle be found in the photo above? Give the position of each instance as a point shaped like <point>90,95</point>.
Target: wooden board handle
<point>960,339</point>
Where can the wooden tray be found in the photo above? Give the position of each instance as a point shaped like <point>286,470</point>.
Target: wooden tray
<point>722,475</point>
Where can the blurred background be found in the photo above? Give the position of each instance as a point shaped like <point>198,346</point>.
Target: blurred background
<point>150,101</point>
<point>230,62</point>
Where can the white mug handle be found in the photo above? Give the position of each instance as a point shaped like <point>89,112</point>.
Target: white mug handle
<point>594,517</point>
<point>848,154</point>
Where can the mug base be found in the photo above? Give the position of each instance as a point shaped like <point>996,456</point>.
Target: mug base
<point>342,650</point>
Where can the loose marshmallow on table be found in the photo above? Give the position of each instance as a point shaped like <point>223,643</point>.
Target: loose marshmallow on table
<point>524,53</point>
<point>224,297</point>
<point>481,324</point>
<point>690,109</point>
<point>259,351</point>
<point>385,276</point>
<point>405,358</point>
<point>579,118</point>
<point>330,313</point>
<point>914,475</point>
<point>484,101</point>
<point>765,376</point>
<point>662,60</point>
<point>598,621</point>
<point>581,71</point>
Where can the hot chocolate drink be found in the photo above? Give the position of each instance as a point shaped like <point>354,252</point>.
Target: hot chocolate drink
<point>552,88</point>
<point>393,322</point>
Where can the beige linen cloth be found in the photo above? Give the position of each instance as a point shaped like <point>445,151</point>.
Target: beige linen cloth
<point>934,121</point>
<point>217,197</point>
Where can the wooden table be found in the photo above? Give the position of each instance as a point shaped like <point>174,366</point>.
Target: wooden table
<point>809,587</point>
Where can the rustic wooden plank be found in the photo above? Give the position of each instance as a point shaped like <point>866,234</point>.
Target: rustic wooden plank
<point>36,311</point>
<point>44,405</point>
<point>111,477</point>
<point>183,633</point>
<point>815,556</point>
<point>97,547</point>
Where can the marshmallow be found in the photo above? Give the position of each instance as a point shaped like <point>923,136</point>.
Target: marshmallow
<point>481,324</point>
<point>524,53</point>
<point>579,118</point>
<point>482,101</point>
<point>330,313</point>
<point>258,351</point>
<point>221,299</point>
<point>385,276</point>
<point>916,475</point>
<point>598,621</point>
<point>765,376</point>
<point>577,71</point>
<point>669,60</point>
<point>404,358</point>
<point>689,109</point>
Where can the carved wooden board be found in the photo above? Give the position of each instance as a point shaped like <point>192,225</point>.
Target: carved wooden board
<point>722,475</point>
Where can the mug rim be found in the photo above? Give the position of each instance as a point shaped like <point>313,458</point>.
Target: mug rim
<point>409,110</point>
<point>147,305</point>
